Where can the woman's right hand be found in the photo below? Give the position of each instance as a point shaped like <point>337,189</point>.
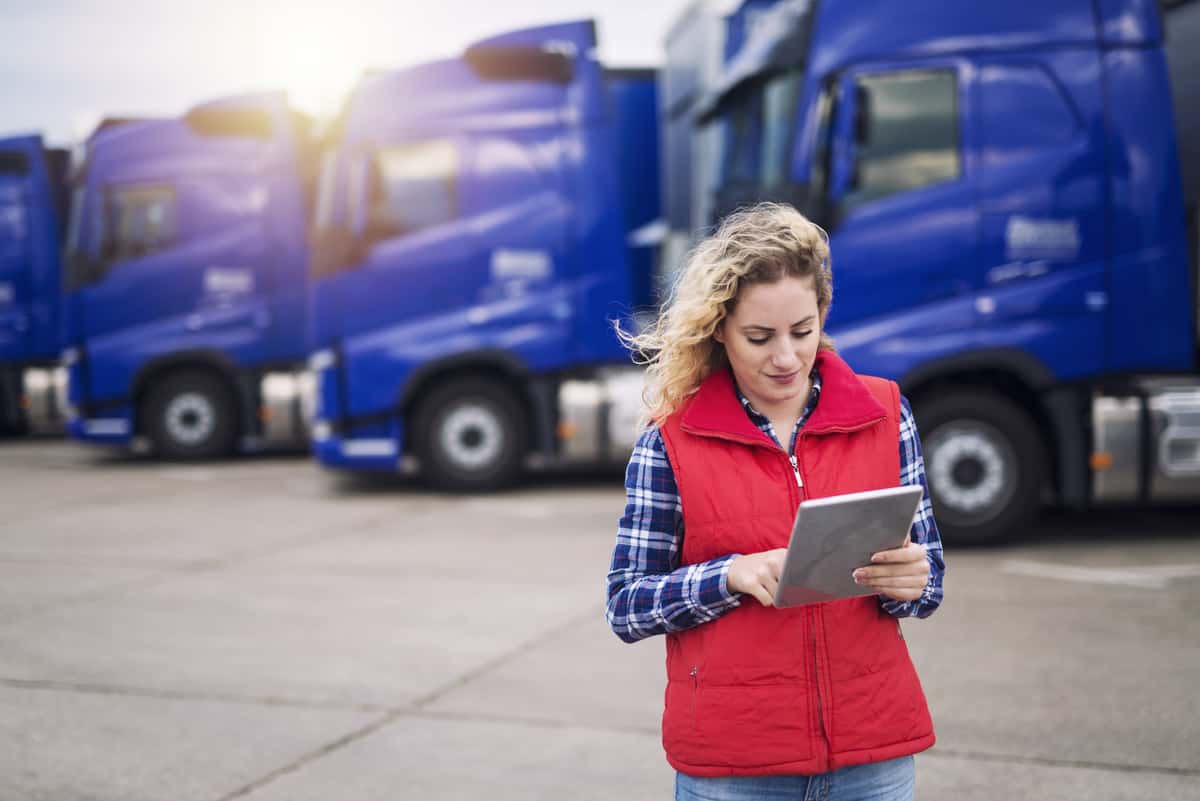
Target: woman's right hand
<point>757,574</point>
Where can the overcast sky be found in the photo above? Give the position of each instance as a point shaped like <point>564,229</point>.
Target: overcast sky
<point>64,64</point>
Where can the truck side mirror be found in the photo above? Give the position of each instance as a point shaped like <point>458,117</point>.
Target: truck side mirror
<point>851,131</point>
<point>358,195</point>
<point>81,269</point>
<point>106,253</point>
<point>862,115</point>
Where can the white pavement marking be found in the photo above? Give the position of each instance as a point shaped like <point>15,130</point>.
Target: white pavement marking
<point>1151,577</point>
<point>188,473</point>
<point>521,509</point>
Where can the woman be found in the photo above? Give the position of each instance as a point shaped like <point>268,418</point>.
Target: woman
<point>816,701</point>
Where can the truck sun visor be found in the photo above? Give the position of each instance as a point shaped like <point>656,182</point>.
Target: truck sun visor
<point>779,41</point>
<point>519,63</point>
<point>254,123</point>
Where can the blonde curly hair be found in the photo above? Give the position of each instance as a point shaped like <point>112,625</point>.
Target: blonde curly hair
<point>759,244</point>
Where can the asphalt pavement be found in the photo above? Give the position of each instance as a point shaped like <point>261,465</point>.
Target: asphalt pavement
<point>261,629</point>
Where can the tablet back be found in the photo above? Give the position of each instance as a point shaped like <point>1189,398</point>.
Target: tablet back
<point>834,536</point>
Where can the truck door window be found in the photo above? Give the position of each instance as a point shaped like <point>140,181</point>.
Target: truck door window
<point>413,186</point>
<point>906,126</point>
<point>140,220</point>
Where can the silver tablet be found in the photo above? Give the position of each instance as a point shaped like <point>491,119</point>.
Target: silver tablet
<point>834,536</point>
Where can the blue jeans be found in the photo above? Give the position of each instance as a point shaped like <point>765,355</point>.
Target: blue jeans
<point>892,780</point>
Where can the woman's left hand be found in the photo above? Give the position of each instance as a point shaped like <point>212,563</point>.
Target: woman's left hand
<point>899,573</point>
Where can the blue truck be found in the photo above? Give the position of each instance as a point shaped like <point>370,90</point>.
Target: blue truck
<point>1011,193</point>
<point>32,226</point>
<point>480,220</point>
<point>185,279</point>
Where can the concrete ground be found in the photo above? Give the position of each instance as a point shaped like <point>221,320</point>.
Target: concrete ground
<point>262,630</point>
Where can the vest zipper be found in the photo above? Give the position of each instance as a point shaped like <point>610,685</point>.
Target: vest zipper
<point>813,614</point>
<point>813,617</point>
<point>817,677</point>
<point>796,471</point>
<point>695,692</point>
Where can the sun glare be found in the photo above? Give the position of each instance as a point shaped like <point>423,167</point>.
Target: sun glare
<point>315,54</point>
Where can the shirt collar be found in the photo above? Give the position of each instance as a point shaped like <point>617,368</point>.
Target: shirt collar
<point>759,419</point>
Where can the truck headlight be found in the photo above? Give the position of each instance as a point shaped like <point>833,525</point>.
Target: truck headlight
<point>322,360</point>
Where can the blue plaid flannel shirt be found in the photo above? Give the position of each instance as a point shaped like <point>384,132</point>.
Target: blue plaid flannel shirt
<point>649,593</point>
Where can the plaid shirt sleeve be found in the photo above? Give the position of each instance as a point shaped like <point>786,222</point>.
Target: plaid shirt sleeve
<point>648,592</point>
<point>924,529</point>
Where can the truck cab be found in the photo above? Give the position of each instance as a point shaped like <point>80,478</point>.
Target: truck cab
<point>1001,186</point>
<point>32,226</point>
<point>186,278</point>
<point>477,229</point>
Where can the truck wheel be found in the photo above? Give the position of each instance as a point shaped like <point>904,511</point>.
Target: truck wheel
<point>470,434</point>
<point>190,415</point>
<point>984,464</point>
<point>13,422</point>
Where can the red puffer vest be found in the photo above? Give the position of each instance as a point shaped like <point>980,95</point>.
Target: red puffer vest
<point>805,689</point>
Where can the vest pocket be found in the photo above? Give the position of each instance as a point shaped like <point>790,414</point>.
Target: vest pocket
<point>681,736</point>
<point>744,726</point>
<point>758,725</point>
<point>743,698</point>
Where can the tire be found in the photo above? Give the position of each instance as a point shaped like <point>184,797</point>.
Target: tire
<point>470,434</point>
<point>13,421</point>
<point>190,415</point>
<point>985,465</point>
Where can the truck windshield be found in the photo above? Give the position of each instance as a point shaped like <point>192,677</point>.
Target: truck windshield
<point>759,123</point>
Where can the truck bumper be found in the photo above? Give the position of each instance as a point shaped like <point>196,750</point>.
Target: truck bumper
<point>378,452</point>
<point>114,428</point>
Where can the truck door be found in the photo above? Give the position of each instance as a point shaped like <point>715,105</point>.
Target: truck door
<point>464,237</point>
<point>182,260</point>
<point>418,258</point>
<point>902,212</point>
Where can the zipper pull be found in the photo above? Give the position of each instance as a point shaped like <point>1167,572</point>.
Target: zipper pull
<point>796,471</point>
